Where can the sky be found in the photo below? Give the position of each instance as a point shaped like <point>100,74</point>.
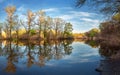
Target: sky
<point>83,19</point>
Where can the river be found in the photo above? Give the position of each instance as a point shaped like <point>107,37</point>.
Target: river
<point>56,58</point>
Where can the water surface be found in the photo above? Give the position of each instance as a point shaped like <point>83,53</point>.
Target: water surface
<point>57,58</point>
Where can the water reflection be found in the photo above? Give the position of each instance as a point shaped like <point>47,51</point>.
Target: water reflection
<point>59,57</point>
<point>92,43</point>
<point>109,65</point>
<point>33,53</point>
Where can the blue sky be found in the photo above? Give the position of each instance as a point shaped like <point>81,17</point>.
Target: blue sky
<point>82,19</point>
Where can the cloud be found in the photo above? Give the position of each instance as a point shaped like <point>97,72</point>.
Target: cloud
<point>85,14</point>
<point>90,20</point>
<point>50,10</point>
<point>81,21</point>
<point>21,9</point>
<point>66,17</point>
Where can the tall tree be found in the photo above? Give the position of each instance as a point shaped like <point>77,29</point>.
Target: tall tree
<point>10,10</point>
<point>30,17</point>
<point>41,21</point>
<point>49,26</point>
<point>17,26</point>
<point>58,23</point>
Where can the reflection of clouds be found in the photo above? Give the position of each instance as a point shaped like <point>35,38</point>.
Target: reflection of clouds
<point>82,53</point>
<point>51,64</point>
<point>90,54</point>
<point>80,61</point>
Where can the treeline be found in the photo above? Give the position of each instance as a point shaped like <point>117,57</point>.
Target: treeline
<point>109,31</point>
<point>34,25</point>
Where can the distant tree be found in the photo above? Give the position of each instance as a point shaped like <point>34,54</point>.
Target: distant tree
<point>105,6</point>
<point>68,30</point>
<point>92,33</point>
<point>10,10</point>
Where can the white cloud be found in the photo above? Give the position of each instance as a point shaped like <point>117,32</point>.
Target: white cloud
<point>89,20</point>
<point>82,14</point>
<point>85,14</point>
<point>50,10</point>
<point>66,17</point>
<point>81,21</point>
<point>21,9</point>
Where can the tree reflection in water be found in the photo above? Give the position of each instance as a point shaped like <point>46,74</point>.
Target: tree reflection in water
<point>109,65</point>
<point>33,53</point>
<point>110,53</point>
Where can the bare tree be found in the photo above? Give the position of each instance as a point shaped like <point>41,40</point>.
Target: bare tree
<point>41,21</point>
<point>10,10</point>
<point>49,26</point>
<point>58,25</point>
<point>30,17</point>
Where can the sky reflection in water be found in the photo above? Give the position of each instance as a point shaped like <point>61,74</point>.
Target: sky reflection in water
<point>82,60</point>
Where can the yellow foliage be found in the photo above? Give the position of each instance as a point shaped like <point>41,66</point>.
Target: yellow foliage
<point>4,34</point>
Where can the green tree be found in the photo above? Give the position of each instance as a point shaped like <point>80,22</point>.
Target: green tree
<point>92,33</point>
<point>68,30</point>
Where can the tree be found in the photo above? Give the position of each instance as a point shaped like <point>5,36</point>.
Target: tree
<point>58,24</point>
<point>1,24</point>
<point>105,6</point>
<point>111,28</point>
<point>41,21</point>
<point>68,30</point>
<point>49,26</point>
<point>30,17</point>
<point>10,10</point>
<point>92,33</point>
<point>116,17</point>
<point>17,26</point>
<point>6,29</point>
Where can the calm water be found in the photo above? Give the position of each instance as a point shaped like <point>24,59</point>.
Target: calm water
<point>57,58</point>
